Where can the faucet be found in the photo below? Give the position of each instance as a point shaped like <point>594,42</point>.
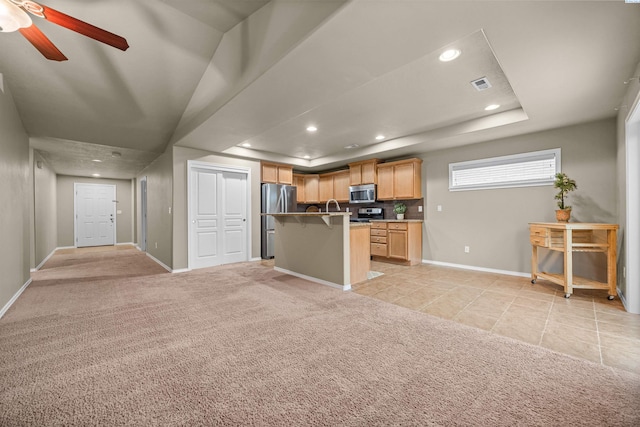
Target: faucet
<point>335,201</point>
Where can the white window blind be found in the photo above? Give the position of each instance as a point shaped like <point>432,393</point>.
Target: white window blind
<point>518,170</point>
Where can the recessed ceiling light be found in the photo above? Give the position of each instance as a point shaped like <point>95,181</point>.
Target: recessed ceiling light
<point>349,147</point>
<point>116,154</point>
<point>97,160</point>
<point>307,156</point>
<point>380,137</point>
<point>95,175</point>
<point>449,55</point>
<point>311,129</point>
<point>246,144</point>
<point>492,107</point>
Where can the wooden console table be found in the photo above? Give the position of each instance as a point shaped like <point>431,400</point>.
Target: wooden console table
<point>574,237</point>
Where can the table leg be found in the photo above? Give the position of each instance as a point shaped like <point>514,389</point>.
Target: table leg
<point>534,263</point>
<point>611,262</point>
<point>568,263</point>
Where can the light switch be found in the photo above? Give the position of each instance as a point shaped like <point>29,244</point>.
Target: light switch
<point>439,208</point>
<point>119,212</point>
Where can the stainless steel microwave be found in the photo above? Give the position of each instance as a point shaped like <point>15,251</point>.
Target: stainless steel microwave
<point>362,193</point>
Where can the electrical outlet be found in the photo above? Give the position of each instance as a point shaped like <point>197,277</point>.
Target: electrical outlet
<point>419,208</point>
<point>439,208</point>
<point>169,210</point>
<point>156,245</point>
<point>624,272</point>
<point>347,209</point>
<point>466,249</point>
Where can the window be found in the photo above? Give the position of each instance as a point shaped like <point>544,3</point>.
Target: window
<point>518,170</point>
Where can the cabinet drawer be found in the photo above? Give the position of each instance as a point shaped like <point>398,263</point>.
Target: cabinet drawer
<point>397,226</point>
<point>379,249</point>
<point>379,239</point>
<point>382,233</point>
<point>379,225</point>
<point>539,241</point>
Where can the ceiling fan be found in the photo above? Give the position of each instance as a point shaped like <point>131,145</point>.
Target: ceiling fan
<point>14,17</point>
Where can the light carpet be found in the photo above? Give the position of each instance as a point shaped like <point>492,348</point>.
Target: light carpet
<point>87,344</point>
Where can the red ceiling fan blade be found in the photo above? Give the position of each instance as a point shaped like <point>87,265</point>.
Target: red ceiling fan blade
<point>84,28</point>
<point>42,43</point>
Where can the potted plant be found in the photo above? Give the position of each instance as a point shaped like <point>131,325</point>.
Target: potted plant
<point>399,209</point>
<point>564,184</point>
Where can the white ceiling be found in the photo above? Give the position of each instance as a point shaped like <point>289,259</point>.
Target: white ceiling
<point>212,74</point>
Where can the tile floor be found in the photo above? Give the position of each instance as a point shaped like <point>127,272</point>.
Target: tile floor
<point>587,325</point>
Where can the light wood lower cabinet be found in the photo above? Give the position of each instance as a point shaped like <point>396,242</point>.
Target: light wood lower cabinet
<point>397,241</point>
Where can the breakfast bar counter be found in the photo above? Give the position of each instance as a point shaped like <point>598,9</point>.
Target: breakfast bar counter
<point>322,247</point>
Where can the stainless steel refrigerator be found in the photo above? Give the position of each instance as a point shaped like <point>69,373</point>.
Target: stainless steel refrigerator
<point>276,198</point>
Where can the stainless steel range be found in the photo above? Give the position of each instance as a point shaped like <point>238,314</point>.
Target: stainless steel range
<point>367,214</point>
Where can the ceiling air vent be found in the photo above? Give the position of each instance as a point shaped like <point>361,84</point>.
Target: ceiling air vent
<point>481,84</point>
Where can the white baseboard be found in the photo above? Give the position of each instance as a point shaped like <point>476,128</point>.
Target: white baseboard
<point>126,243</point>
<point>474,268</point>
<point>181,270</point>
<point>159,262</point>
<point>255,258</point>
<point>346,287</point>
<point>14,298</point>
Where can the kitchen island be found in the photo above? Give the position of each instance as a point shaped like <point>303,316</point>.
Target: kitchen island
<point>322,247</point>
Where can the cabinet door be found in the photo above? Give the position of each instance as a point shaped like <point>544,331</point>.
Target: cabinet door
<point>397,242</point>
<point>311,188</point>
<point>368,173</point>
<point>404,180</point>
<point>355,175</point>
<point>298,181</point>
<point>285,175</point>
<point>385,182</point>
<point>341,186</point>
<point>326,187</point>
<point>269,173</point>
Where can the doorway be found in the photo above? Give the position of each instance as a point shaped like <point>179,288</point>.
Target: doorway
<point>143,214</point>
<point>632,225</point>
<point>218,215</point>
<point>95,220</point>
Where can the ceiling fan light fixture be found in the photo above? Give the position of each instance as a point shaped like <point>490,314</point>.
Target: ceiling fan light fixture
<point>12,18</point>
<point>449,55</point>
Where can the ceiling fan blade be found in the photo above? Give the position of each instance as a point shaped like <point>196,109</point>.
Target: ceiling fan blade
<point>84,28</point>
<point>42,43</point>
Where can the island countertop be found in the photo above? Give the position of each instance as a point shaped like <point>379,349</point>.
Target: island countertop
<point>309,214</point>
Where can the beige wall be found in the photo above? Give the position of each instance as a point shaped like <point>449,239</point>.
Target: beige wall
<point>65,208</point>
<point>180,198</point>
<point>494,223</point>
<point>15,230</point>
<point>159,202</point>
<point>45,212</point>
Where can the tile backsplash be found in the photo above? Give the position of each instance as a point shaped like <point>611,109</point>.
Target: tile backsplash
<point>411,213</point>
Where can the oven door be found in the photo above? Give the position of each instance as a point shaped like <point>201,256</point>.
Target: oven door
<point>362,193</point>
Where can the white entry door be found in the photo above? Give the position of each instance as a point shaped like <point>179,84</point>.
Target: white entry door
<point>95,208</point>
<point>218,217</point>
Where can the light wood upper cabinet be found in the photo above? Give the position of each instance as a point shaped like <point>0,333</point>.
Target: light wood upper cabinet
<point>363,172</point>
<point>312,188</point>
<point>341,186</point>
<point>326,187</point>
<point>334,185</point>
<point>400,180</point>
<point>298,181</point>
<point>275,173</point>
